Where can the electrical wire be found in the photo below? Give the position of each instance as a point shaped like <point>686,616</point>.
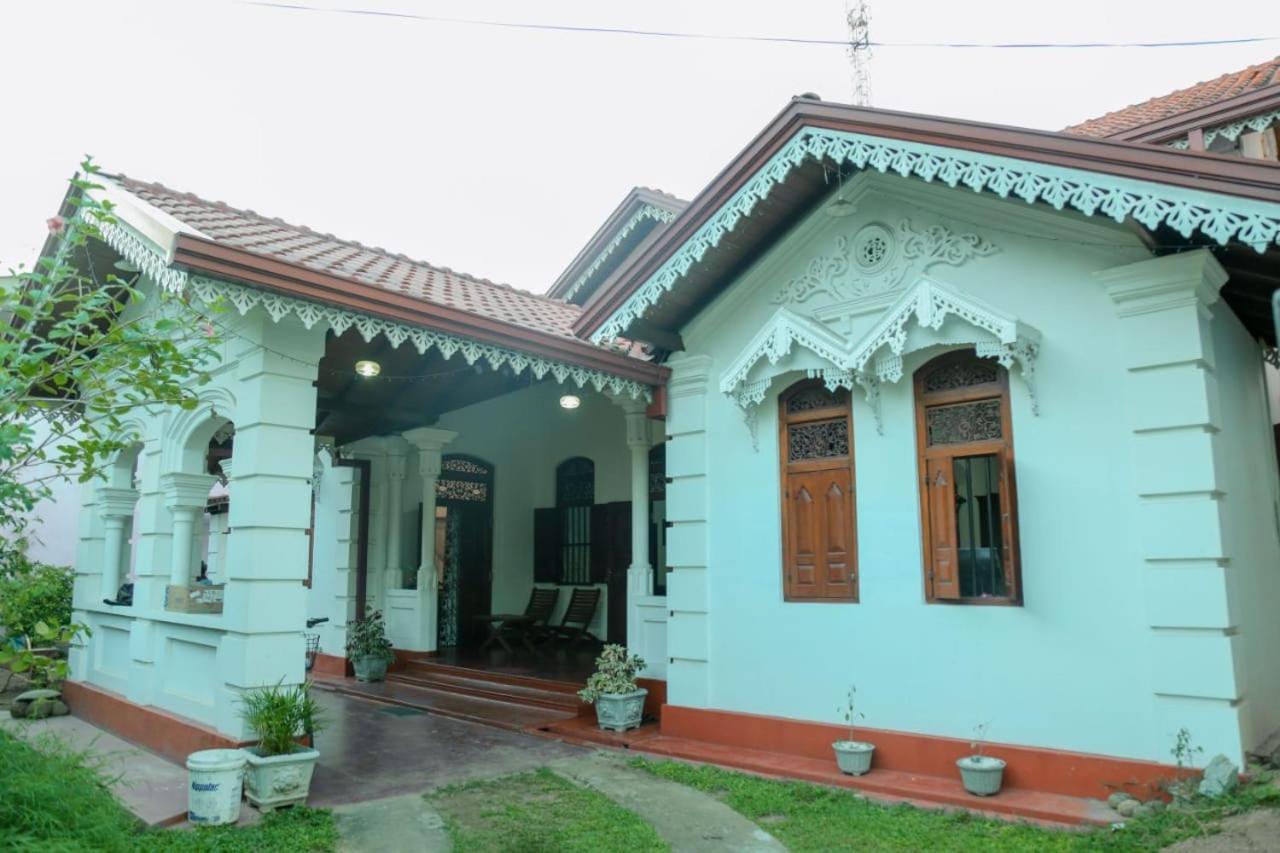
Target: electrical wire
<point>673,34</point>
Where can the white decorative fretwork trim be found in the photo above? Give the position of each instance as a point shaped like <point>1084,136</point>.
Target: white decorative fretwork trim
<point>877,357</point>
<point>1220,217</point>
<point>648,211</point>
<point>1233,130</point>
<point>138,251</point>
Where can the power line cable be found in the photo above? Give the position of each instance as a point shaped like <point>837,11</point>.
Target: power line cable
<point>673,34</point>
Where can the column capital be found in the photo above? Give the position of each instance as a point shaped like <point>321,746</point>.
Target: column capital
<point>186,490</point>
<point>1159,284</point>
<point>116,502</point>
<point>430,443</point>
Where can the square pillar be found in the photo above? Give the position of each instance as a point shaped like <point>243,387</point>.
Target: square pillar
<point>115,507</point>
<point>640,572</point>
<point>1165,309</point>
<point>186,496</point>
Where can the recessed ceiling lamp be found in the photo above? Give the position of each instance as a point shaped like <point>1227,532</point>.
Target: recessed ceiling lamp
<point>841,207</point>
<point>368,368</point>
<point>570,401</point>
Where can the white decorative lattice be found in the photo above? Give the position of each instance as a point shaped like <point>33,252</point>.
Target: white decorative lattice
<point>648,211</point>
<point>877,357</point>
<point>905,249</point>
<point>1222,218</point>
<point>1233,130</point>
<point>148,258</point>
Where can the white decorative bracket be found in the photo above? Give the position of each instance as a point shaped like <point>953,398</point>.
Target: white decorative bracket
<point>877,357</point>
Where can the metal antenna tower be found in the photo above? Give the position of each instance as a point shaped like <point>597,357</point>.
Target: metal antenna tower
<point>858,17</point>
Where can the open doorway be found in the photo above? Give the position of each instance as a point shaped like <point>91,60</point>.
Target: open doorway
<point>464,550</point>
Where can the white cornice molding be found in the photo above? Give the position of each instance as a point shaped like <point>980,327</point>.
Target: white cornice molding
<point>1158,284</point>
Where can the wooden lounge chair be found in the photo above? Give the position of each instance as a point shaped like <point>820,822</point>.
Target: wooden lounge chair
<point>577,617</point>
<point>522,626</point>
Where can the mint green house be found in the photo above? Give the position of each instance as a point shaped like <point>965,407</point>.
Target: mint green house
<point>973,417</point>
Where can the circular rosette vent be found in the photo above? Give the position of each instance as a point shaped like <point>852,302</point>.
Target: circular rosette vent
<point>873,248</point>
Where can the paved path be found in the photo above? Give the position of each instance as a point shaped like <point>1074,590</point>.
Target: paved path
<point>392,825</point>
<point>687,819</point>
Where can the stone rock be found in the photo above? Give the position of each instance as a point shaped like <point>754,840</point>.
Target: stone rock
<point>1150,808</point>
<point>1220,777</point>
<point>1117,798</point>
<point>38,704</point>
<point>1129,808</point>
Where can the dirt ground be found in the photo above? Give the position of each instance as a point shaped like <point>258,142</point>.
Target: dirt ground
<point>1258,830</point>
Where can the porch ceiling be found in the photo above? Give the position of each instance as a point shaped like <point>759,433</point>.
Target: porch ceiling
<point>412,390</point>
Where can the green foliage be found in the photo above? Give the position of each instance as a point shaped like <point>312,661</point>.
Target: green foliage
<point>57,799</point>
<point>848,711</point>
<point>616,672</point>
<point>279,715</point>
<point>33,592</point>
<point>812,817</point>
<point>367,637</point>
<point>1184,752</point>
<point>81,348</point>
<point>35,662</point>
<point>295,830</point>
<point>538,812</point>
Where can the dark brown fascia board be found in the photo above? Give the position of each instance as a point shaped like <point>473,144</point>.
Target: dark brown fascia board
<point>1211,115</point>
<point>634,199</point>
<point>1254,179</point>
<point>213,258</point>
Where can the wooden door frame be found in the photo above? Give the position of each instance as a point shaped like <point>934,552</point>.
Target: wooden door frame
<point>489,503</point>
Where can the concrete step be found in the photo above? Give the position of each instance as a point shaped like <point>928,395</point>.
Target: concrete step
<point>474,684</point>
<point>514,716</point>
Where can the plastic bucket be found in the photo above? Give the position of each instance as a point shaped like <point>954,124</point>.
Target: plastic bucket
<point>215,778</point>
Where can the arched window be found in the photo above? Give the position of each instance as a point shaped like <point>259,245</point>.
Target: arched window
<point>968,506</point>
<point>819,533</point>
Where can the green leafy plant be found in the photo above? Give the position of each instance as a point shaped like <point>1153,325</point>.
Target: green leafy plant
<point>31,593</point>
<point>615,673</point>
<point>80,349</point>
<point>367,638</point>
<point>1184,752</point>
<point>848,712</point>
<point>40,659</point>
<point>279,715</point>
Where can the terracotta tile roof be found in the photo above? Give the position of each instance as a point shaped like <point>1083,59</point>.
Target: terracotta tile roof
<point>295,244</point>
<point>1190,98</point>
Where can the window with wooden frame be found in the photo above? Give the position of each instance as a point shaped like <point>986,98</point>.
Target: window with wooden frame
<point>819,535</point>
<point>968,503</point>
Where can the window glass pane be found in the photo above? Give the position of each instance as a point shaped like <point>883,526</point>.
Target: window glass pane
<point>817,440</point>
<point>964,422</point>
<point>979,530</point>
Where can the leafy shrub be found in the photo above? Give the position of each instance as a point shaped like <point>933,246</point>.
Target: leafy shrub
<point>31,593</point>
<point>279,715</point>
<point>367,638</point>
<point>616,672</point>
<point>40,668</point>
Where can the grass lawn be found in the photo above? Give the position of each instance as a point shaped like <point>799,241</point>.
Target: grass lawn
<point>539,811</point>
<point>811,817</point>
<point>57,800</point>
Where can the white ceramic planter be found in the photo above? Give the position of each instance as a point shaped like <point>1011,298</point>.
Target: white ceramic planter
<point>370,668</point>
<point>618,712</point>
<point>272,781</point>
<point>853,756</point>
<point>982,775</point>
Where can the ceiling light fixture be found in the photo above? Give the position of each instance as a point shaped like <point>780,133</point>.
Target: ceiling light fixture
<point>570,401</point>
<point>368,368</point>
<point>841,207</point>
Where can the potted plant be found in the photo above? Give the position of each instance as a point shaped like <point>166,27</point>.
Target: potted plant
<point>982,774</point>
<point>612,689</point>
<point>852,756</point>
<point>279,767</point>
<point>368,648</point>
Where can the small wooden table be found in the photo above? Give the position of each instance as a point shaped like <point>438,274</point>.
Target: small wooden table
<point>499,623</point>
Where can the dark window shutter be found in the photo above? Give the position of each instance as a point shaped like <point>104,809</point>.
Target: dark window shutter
<point>546,545</point>
<point>601,543</point>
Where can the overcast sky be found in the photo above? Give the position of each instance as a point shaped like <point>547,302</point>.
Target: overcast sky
<point>498,152</point>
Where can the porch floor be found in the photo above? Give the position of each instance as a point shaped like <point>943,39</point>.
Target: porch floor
<point>570,665</point>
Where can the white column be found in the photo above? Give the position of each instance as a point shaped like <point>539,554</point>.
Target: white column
<point>186,496</point>
<point>396,462</point>
<point>640,573</point>
<point>115,507</point>
<point>430,443</point>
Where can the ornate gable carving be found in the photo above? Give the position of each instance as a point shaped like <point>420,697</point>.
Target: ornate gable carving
<point>875,260</point>
<point>877,356</point>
